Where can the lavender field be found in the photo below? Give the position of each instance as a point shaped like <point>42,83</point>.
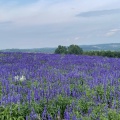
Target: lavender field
<point>56,87</point>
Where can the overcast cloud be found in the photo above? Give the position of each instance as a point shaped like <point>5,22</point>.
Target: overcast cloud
<point>49,23</point>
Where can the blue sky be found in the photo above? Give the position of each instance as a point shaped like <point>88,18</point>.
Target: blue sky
<point>49,23</point>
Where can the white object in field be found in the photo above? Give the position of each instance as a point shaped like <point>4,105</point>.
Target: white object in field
<point>22,78</point>
<point>18,78</point>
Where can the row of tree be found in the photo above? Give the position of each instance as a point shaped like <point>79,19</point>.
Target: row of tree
<point>115,54</point>
<point>72,49</point>
<point>75,49</point>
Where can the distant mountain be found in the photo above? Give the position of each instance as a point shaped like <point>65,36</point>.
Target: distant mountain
<point>111,47</point>
<point>97,47</point>
<point>34,50</point>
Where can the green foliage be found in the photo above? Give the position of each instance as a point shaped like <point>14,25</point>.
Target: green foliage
<point>52,106</point>
<point>83,105</point>
<point>12,113</point>
<point>115,54</point>
<point>113,115</point>
<point>72,49</point>
<point>90,93</point>
<point>61,50</point>
<point>99,91</point>
<point>97,111</point>
<point>0,90</point>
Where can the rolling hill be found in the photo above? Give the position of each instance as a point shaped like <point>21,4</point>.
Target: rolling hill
<point>97,47</point>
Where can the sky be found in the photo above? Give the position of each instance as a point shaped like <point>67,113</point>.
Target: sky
<point>49,23</point>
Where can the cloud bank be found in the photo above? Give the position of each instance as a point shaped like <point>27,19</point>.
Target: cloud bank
<point>99,13</point>
<point>112,32</point>
<point>45,23</point>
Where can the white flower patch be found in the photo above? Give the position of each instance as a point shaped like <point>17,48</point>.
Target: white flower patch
<point>20,78</point>
<point>16,78</point>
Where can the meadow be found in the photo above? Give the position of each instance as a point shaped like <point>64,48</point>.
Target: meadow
<point>35,86</point>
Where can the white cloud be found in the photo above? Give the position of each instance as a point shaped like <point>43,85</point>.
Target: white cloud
<point>115,30</point>
<point>45,12</point>
<point>73,40</point>
<point>108,34</point>
<point>77,38</point>
<point>46,23</point>
<point>112,32</point>
<point>41,12</point>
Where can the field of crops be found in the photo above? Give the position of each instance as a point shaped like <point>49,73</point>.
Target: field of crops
<point>56,87</point>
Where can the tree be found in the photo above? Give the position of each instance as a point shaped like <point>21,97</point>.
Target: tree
<point>61,50</point>
<point>74,49</point>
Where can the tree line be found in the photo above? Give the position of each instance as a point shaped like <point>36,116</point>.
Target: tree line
<point>72,49</point>
<point>115,54</point>
<point>75,49</point>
